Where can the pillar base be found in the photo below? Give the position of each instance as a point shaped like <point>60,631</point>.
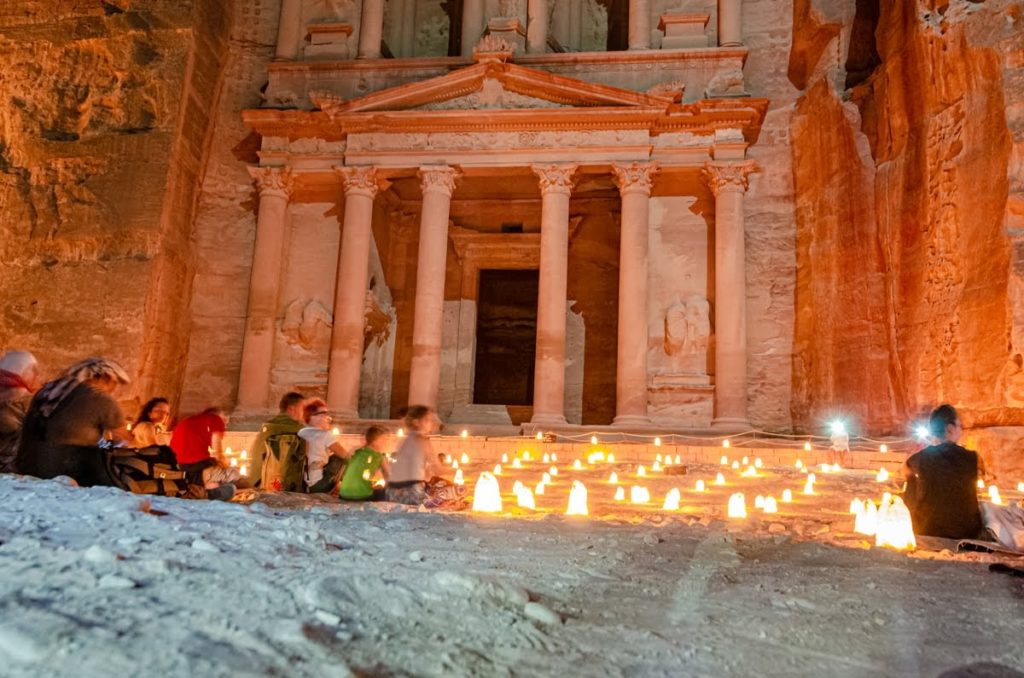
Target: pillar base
<point>548,420</point>
<point>631,420</point>
<point>730,424</point>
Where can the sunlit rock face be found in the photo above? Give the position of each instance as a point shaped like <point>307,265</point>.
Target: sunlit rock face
<point>907,179</point>
<point>104,119</point>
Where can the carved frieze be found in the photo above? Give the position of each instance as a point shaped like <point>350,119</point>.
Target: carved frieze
<point>491,95</point>
<point>495,140</point>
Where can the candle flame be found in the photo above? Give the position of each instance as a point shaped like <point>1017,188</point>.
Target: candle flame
<point>465,458</point>
<point>539,489</point>
<point>593,440</point>
<point>244,470</point>
<point>546,479</point>
<point>699,486</point>
<point>577,500</point>
<point>465,433</point>
<point>807,446</point>
<point>883,448</point>
<point>611,458</point>
<point>724,461</point>
<point>525,499</point>
<point>577,465</point>
<point>895,528</point>
<point>737,506</point>
<point>497,470</point>
<point>641,471</point>
<point>787,496</point>
<point>487,494</point>
<point>516,463</point>
<point>770,505</point>
<point>725,443</point>
<point>639,495</point>
<point>546,458</point>
<point>458,478</point>
<point>504,459</point>
<point>553,470</point>
<point>993,495</point>
<point>759,502</point>
<point>719,479</point>
<point>866,522</point>
<point>882,476</point>
<point>750,472</point>
<point>758,463</point>
<point>656,467</point>
<point>657,442</point>
<point>671,500</point>
<point>620,493</point>
<point>613,478</point>
<point>735,465</point>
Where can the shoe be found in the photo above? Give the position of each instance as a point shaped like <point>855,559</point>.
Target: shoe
<point>223,493</point>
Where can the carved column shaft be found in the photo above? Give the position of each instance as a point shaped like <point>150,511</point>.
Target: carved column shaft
<point>537,26</point>
<point>275,188</point>
<point>730,29</point>
<point>289,30</point>
<point>437,184</point>
<point>346,356</point>
<point>634,182</point>
<point>639,24</point>
<point>371,29</point>
<point>472,25</point>
<point>729,183</point>
<point>549,366</point>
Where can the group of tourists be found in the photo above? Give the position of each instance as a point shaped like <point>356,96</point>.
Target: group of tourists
<point>74,427</point>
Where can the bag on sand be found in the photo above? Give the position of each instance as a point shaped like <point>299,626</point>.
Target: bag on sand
<point>150,470</point>
<point>284,466</point>
<point>1006,523</point>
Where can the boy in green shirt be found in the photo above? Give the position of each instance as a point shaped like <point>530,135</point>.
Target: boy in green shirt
<point>357,482</point>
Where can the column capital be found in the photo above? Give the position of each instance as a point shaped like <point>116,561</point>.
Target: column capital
<point>555,178</point>
<point>728,177</point>
<point>438,178</point>
<point>361,180</point>
<point>273,181</point>
<point>637,177</point>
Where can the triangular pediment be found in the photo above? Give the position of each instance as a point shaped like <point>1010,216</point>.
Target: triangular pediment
<point>492,85</point>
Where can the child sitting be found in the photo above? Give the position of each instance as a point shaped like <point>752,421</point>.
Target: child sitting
<point>325,457</point>
<point>357,481</point>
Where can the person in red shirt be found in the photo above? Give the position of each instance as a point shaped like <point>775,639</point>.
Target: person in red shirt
<point>197,444</point>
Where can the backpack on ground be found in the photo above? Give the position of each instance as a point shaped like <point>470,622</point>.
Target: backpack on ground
<point>284,466</point>
<point>150,470</point>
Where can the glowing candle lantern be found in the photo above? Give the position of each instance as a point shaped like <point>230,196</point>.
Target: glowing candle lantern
<point>611,458</point>
<point>886,498</point>
<point>720,479</point>
<point>516,487</point>
<point>465,458</point>
<point>546,458</point>
<point>737,506</point>
<point>836,468</point>
<point>856,506</point>
<point>539,436</point>
<point>809,488</point>
<point>658,458</point>
<point>671,500</point>
<point>595,457</point>
<point>577,500</point>
<point>593,440</point>
<point>554,456</point>
<point>657,442</point>
<point>770,505</point>
<point>735,465</point>
<point>699,486</point>
<point>811,478</point>
<point>639,495</point>
<point>1020,487</point>
<point>546,479</point>
<point>656,467</point>
<point>807,446</point>
<point>465,433</point>
<point>981,484</point>
<point>553,470</point>
<point>516,463</point>
<point>527,456</point>
<point>455,464</point>
<point>824,468</point>
<point>244,454</point>
<point>883,448</point>
<point>894,527</point>
<point>539,489</point>
<point>336,431</point>
<point>759,502</point>
<point>497,470</point>
<point>993,495</point>
<point>487,494</point>
<point>577,465</point>
<point>758,463</point>
<point>787,496</point>
<point>799,464</point>
<point>243,469</point>
<point>866,521</point>
<point>725,443</point>
<point>504,459</point>
<point>750,472</point>
<point>679,459</point>
<point>882,475</point>
<point>458,478</point>
<point>613,478</point>
<point>620,493</point>
<point>400,433</point>
<point>524,498</point>
<point>641,471</point>
<point>724,461</point>
<point>233,462</point>
<point>228,452</point>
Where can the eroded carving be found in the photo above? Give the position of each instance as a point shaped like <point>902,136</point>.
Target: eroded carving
<point>306,321</point>
<point>688,327</point>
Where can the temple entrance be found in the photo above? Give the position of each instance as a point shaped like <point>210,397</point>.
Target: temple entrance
<point>506,337</point>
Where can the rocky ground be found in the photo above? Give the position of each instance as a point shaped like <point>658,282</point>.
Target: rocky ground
<point>96,582</point>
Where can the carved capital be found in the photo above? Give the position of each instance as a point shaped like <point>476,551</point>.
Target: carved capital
<point>636,177</point>
<point>359,180</point>
<point>273,181</point>
<point>728,177</point>
<point>555,178</point>
<point>440,179</point>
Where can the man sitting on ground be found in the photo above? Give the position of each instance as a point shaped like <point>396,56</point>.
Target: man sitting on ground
<point>942,483</point>
<point>287,422</point>
<point>325,457</point>
<point>198,446</point>
<point>357,483</point>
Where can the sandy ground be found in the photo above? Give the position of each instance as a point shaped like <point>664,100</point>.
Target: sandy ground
<point>98,582</point>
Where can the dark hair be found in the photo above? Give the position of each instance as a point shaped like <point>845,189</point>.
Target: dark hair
<point>374,433</point>
<point>145,414</point>
<point>942,416</point>
<point>415,413</point>
<point>311,408</point>
<point>290,399</point>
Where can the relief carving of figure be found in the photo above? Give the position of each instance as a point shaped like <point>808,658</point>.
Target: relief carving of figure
<point>303,320</point>
<point>687,327</point>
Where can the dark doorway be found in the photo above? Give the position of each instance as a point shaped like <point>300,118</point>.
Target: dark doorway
<point>506,337</point>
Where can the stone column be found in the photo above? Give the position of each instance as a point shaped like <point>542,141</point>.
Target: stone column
<point>371,29</point>
<point>537,26</point>
<point>275,189</point>
<point>730,30</point>
<point>289,30</point>
<point>437,185</point>
<point>729,183</point>
<point>549,366</point>
<point>634,182</point>
<point>640,24</point>
<point>346,356</point>
<point>472,25</point>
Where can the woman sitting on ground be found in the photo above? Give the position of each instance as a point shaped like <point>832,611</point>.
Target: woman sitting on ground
<point>150,428</point>
<point>325,457</point>
<point>67,420</point>
<point>416,472</point>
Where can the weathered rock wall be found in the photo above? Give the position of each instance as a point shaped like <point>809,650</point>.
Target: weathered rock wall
<point>906,184</point>
<point>103,136</point>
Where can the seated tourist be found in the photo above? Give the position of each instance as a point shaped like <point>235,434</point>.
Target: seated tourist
<point>19,379</point>
<point>415,475</point>
<point>150,428</point>
<point>287,422</point>
<point>942,490</point>
<point>325,457</point>
<point>363,467</point>
<point>67,421</point>
<point>198,447</point>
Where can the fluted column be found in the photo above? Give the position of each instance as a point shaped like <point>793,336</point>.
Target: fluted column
<point>472,25</point>
<point>437,185</point>
<point>634,182</point>
<point>728,182</point>
<point>346,356</point>
<point>730,30</point>
<point>371,29</point>
<point>289,30</point>
<point>549,365</point>
<point>537,26</point>
<point>639,24</point>
<point>275,189</point>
